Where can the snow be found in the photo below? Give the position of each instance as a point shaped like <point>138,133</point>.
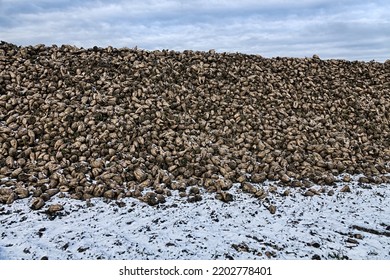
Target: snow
<point>353,225</point>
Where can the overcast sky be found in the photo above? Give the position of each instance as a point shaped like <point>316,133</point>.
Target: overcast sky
<point>349,29</point>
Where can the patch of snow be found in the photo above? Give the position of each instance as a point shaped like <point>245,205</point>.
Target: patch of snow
<point>353,225</point>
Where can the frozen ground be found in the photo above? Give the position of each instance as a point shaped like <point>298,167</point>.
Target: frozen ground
<point>353,225</point>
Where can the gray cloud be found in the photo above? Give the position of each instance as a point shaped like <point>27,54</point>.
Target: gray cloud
<point>332,29</point>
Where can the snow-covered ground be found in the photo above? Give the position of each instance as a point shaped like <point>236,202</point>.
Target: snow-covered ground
<point>353,225</point>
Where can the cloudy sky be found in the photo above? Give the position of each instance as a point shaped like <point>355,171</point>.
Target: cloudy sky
<point>349,29</point>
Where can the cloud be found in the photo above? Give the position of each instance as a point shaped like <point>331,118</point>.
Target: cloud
<point>332,29</point>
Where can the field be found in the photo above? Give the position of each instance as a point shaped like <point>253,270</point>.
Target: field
<point>133,154</point>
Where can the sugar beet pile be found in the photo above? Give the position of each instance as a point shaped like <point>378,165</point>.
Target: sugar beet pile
<point>134,123</point>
